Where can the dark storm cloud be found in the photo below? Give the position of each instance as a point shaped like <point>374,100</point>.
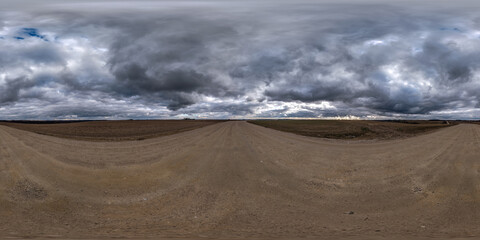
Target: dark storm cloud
<point>237,59</point>
<point>10,89</point>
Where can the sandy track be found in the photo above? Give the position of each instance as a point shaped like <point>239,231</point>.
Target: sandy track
<point>236,179</point>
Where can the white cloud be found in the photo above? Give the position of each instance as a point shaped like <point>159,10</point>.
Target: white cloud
<point>174,59</point>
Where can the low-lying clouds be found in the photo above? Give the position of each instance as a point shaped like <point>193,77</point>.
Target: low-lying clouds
<point>163,59</point>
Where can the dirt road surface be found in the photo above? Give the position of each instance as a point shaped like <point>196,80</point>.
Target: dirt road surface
<point>238,180</point>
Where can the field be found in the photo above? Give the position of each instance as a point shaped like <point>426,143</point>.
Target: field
<point>237,180</point>
<point>110,130</point>
<point>356,130</point>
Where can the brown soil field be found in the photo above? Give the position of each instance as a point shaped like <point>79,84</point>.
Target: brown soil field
<point>111,130</point>
<point>236,180</point>
<point>355,130</point>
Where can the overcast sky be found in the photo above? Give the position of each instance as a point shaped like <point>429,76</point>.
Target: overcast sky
<point>239,59</point>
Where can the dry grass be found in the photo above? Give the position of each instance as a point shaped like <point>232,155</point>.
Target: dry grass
<point>111,130</point>
<point>361,130</point>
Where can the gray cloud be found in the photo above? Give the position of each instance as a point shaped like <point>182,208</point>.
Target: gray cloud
<point>10,89</point>
<point>227,59</point>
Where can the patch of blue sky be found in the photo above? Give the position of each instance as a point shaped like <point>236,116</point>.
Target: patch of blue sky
<point>455,29</point>
<point>33,32</point>
<point>30,32</point>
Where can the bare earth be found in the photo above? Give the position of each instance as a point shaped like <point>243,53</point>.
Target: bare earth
<point>122,130</point>
<point>356,130</point>
<point>239,180</point>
